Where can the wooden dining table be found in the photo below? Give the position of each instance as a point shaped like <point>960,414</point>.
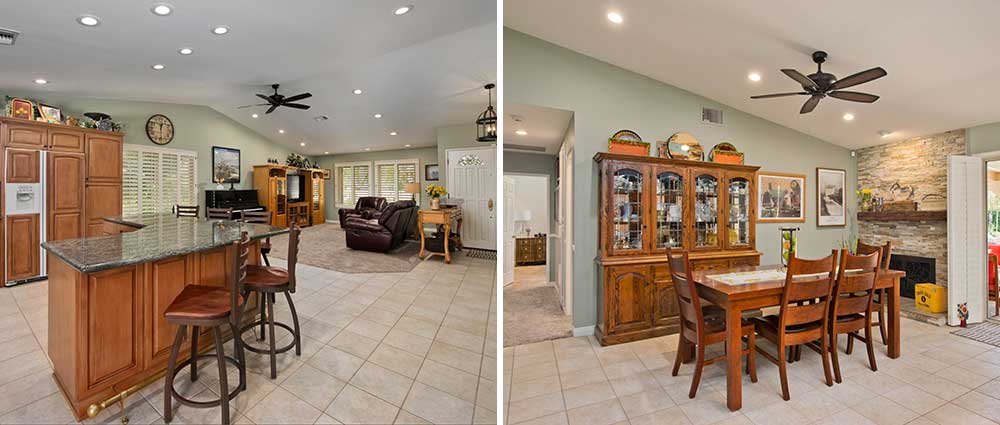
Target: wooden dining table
<point>735,299</point>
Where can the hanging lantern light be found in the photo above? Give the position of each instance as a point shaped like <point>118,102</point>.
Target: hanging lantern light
<point>487,122</point>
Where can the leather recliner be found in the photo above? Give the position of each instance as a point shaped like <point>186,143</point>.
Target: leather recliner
<point>366,208</point>
<point>389,231</point>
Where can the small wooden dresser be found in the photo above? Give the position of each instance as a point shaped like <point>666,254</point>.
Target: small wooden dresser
<point>529,250</point>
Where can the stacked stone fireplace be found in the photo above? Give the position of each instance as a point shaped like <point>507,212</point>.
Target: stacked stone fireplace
<point>921,164</point>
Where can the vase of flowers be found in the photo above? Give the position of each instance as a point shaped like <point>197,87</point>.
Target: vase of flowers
<point>435,192</point>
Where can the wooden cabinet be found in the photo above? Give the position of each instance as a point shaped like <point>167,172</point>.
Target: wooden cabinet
<point>114,325</point>
<point>104,158</point>
<point>22,166</point>
<point>649,205</point>
<point>529,251</point>
<point>318,197</point>
<point>271,184</point>
<point>64,206</point>
<point>23,241</point>
<point>24,134</point>
<point>66,140</point>
<point>103,200</point>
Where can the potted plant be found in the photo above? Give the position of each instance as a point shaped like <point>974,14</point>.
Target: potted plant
<point>435,193</point>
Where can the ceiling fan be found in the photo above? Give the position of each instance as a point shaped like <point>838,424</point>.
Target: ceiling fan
<point>822,84</point>
<point>275,100</point>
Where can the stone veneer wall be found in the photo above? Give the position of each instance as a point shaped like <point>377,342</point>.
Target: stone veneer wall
<point>921,163</point>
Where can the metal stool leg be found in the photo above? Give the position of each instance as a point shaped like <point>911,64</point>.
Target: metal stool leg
<point>240,355</point>
<point>295,322</point>
<point>270,323</point>
<point>262,300</point>
<point>223,378</point>
<point>168,385</point>
<point>194,353</point>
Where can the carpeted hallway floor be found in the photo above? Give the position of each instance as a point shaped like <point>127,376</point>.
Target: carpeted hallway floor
<point>325,246</point>
<point>531,310</point>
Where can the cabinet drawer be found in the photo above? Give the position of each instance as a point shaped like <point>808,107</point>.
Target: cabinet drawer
<point>745,261</point>
<point>661,272</point>
<point>709,264</point>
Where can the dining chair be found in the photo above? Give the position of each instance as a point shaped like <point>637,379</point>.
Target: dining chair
<point>994,294</point>
<point>880,303</point>
<point>702,326</point>
<point>219,213</point>
<point>186,210</point>
<point>260,217</point>
<point>851,306</point>
<point>803,315</point>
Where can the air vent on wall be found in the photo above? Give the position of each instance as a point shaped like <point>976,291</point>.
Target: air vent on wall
<point>711,116</point>
<point>8,37</point>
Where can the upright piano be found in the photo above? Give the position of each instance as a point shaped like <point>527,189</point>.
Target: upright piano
<point>239,200</point>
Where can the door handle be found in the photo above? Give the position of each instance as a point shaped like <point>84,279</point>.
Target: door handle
<point>489,204</point>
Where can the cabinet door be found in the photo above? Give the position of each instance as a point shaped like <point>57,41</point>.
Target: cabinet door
<point>22,166</point>
<point>668,208</point>
<point>65,196</point>
<point>739,210</point>
<point>628,302</point>
<point>164,281</point>
<point>114,326</point>
<point>23,256</point>
<point>25,135</point>
<point>66,140</point>
<point>103,200</point>
<point>707,202</point>
<point>104,158</point>
<point>625,208</point>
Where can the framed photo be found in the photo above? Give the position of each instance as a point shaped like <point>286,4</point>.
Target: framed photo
<point>831,208</point>
<point>23,109</point>
<point>225,165</point>
<point>327,174</point>
<point>431,172</point>
<point>50,114</point>
<point>781,197</point>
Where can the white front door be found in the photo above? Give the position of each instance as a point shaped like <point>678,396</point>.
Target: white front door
<point>472,178</point>
<point>508,230</point>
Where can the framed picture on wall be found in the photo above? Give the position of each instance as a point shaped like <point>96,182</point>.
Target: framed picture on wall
<point>831,208</point>
<point>225,165</point>
<point>431,172</point>
<point>781,197</point>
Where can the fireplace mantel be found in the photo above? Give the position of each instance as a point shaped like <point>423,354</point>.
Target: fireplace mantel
<point>903,216</point>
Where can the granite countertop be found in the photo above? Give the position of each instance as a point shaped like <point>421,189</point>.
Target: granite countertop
<point>156,237</point>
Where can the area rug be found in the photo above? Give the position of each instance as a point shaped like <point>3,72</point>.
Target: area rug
<point>986,332</point>
<point>325,246</point>
<point>533,314</point>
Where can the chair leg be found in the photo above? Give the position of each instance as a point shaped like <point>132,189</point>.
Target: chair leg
<point>681,346</point>
<point>752,357</point>
<point>881,316</point>
<point>783,374</point>
<point>295,323</point>
<point>168,382</point>
<point>825,354</point>
<point>798,352</point>
<point>699,363</point>
<point>220,354</point>
<point>835,358</point>
<point>270,325</point>
<point>262,300</point>
<point>241,356</point>
<point>870,345</point>
<point>194,353</point>
<point>266,261</point>
<point>850,343</point>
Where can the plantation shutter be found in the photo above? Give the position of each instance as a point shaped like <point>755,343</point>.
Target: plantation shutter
<point>353,182</point>
<point>387,181</point>
<point>156,179</point>
<point>131,201</point>
<point>392,177</point>
<point>362,181</point>
<point>407,174</point>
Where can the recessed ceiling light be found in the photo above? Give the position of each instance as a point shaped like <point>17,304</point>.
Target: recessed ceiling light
<point>185,51</point>
<point>407,145</point>
<point>162,9</point>
<point>402,10</point>
<point>41,81</point>
<point>302,144</point>
<point>368,149</point>
<point>326,153</point>
<point>848,117</point>
<point>89,20</point>
<point>254,115</point>
<point>281,131</point>
<point>357,91</point>
<point>754,76</point>
<point>393,133</point>
<point>521,133</point>
<point>378,115</point>
<point>220,30</point>
<point>884,133</point>
<point>615,17</point>
<point>158,66</point>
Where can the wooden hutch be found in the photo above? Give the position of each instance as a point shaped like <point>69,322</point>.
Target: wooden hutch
<point>649,204</point>
<point>271,183</point>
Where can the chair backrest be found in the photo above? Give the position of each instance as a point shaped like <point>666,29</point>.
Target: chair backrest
<point>186,210</point>
<point>293,254</point>
<point>220,213</point>
<point>691,316</point>
<point>242,247</point>
<point>855,283</point>
<point>885,250</point>
<point>257,217</point>
<point>807,281</point>
<point>370,202</point>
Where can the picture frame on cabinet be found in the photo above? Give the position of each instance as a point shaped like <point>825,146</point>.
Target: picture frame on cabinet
<point>831,204</point>
<point>51,114</point>
<point>781,197</point>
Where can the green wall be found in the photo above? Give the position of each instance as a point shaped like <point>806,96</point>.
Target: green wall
<point>606,98</point>
<point>197,128</point>
<point>455,136</point>
<point>983,138</point>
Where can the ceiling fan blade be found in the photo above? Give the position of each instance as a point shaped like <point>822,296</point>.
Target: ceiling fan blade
<point>810,105</point>
<point>768,96</point>
<point>802,79</point>
<point>854,96</point>
<point>250,106</point>
<point>297,97</point>
<point>271,109</point>
<point>266,99</point>
<point>859,78</point>
<point>296,105</point>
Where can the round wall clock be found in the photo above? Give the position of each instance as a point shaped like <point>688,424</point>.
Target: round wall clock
<point>159,129</point>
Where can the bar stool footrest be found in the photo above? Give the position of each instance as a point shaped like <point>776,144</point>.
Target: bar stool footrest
<point>209,403</point>
<point>267,350</point>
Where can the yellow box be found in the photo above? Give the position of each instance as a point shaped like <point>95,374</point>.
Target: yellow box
<point>931,298</point>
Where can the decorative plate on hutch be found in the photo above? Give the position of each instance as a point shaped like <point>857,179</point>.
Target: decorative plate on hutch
<point>684,146</point>
<point>627,142</point>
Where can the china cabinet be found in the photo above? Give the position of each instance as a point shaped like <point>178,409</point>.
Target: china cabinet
<point>648,205</point>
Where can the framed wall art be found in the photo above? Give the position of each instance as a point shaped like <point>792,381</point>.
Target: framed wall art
<point>831,205</point>
<point>225,165</point>
<point>781,197</point>
<point>431,172</point>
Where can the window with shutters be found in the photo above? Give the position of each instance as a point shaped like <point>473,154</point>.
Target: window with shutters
<point>353,182</point>
<point>156,179</point>
<point>391,178</point>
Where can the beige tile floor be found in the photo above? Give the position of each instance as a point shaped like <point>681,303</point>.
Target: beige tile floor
<point>407,348</point>
<point>939,379</point>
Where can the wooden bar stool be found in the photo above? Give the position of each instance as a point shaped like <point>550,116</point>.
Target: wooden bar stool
<point>851,307</point>
<point>220,213</point>
<point>701,327</point>
<point>798,323</point>
<point>266,282</point>
<point>199,306</point>
<point>880,303</point>
<point>260,217</point>
<point>186,210</point>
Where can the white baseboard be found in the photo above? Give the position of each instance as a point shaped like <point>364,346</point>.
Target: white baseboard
<point>584,331</point>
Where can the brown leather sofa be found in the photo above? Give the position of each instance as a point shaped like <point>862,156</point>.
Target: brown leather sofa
<point>392,227</point>
<point>366,208</point>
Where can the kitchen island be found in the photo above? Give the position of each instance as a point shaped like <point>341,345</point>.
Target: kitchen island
<point>107,295</point>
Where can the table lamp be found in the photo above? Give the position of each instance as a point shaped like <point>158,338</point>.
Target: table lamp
<point>412,188</point>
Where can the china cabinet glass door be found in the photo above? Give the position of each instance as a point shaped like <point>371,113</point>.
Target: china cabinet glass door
<point>627,204</point>
<point>706,211</point>
<point>669,210</point>
<point>739,212</point>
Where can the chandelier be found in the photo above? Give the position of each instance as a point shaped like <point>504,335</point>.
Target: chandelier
<point>487,122</point>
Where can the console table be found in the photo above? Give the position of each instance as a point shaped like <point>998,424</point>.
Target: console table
<point>443,218</point>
